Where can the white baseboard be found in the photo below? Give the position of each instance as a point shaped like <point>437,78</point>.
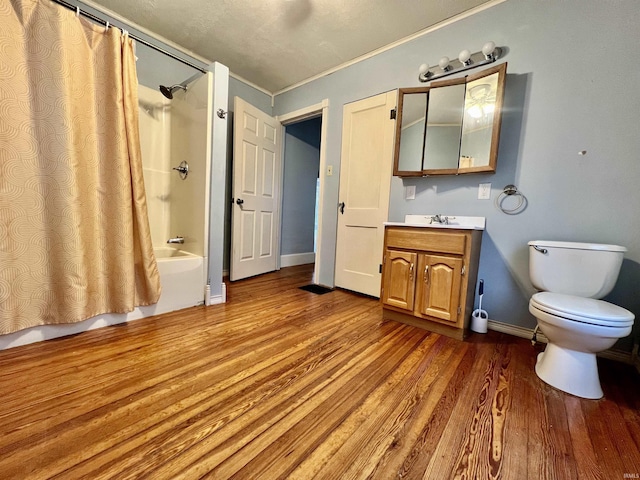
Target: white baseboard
<point>523,332</point>
<point>222,298</point>
<point>294,259</point>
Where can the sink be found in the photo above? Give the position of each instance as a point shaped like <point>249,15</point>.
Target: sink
<point>455,221</point>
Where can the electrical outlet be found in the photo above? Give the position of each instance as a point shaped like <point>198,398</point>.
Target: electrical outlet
<point>484,191</point>
<point>329,170</point>
<point>410,192</point>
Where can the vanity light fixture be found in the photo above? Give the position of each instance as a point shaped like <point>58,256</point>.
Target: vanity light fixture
<point>466,60</point>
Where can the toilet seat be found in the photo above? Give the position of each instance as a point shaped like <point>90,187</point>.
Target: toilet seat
<point>585,310</point>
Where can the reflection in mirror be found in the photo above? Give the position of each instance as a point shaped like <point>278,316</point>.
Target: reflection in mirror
<point>479,108</point>
<point>414,107</point>
<point>444,124</point>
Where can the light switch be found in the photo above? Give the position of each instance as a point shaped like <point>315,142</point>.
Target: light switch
<point>410,192</point>
<point>484,191</point>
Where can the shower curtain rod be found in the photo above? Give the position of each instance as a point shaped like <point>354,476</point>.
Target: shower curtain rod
<point>136,38</point>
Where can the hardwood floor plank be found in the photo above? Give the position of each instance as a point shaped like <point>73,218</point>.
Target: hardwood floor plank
<point>352,380</point>
<point>424,433</point>
<point>517,423</point>
<point>471,438</point>
<point>232,404</point>
<point>628,405</point>
<point>318,455</point>
<point>282,383</point>
<point>588,466</point>
<point>229,375</point>
<point>375,427</point>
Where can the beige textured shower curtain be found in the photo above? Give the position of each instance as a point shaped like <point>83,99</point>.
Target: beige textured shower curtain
<point>74,233</point>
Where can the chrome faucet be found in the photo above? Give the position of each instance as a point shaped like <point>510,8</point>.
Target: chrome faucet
<point>440,219</point>
<point>177,239</point>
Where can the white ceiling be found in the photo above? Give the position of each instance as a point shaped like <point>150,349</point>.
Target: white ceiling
<point>277,43</point>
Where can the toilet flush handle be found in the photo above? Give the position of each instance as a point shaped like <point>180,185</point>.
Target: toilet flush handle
<point>544,251</point>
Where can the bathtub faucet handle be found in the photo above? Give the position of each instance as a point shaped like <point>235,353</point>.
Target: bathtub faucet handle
<point>177,239</point>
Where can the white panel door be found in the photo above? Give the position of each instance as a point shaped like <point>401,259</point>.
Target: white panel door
<point>366,167</point>
<point>255,211</point>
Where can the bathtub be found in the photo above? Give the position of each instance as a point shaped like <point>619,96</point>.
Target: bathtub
<point>182,280</point>
<point>182,276</point>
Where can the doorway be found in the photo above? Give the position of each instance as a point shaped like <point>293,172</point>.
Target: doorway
<point>300,192</point>
<point>254,241</point>
<point>318,114</point>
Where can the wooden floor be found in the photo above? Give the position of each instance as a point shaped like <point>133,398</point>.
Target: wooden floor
<point>280,382</point>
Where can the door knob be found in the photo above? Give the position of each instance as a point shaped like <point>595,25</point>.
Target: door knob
<point>239,201</point>
<point>341,207</point>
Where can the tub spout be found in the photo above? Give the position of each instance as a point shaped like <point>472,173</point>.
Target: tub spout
<point>176,240</point>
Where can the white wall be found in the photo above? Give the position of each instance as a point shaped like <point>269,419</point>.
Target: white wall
<point>219,174</point>
<point>155,133</point>
<point>572,86</point>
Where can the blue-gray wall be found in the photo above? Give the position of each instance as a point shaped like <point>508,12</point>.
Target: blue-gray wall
<point>301,165</point>
<point>572,86</point>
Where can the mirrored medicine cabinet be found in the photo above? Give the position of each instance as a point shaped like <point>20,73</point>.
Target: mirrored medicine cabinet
<point>450,127</point>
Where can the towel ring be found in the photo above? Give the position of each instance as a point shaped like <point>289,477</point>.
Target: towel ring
<point>509,191</point>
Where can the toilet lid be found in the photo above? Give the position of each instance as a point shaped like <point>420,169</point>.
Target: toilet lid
<point>587,310</point>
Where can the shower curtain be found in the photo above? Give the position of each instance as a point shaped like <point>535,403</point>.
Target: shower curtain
<point>74,232</point>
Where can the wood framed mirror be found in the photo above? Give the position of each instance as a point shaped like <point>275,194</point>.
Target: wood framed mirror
<point>450,127</point>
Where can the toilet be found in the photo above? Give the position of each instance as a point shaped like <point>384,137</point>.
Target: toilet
<point>572,278</point>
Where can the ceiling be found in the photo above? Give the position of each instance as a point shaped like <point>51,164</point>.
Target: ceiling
<point>278,43</point>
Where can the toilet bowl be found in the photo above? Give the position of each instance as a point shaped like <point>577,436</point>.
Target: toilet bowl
<point>569,313</point>
<point>577,329</point>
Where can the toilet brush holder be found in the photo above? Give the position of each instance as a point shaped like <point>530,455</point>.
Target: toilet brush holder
<point>479,321</point>
<point>479,317</point>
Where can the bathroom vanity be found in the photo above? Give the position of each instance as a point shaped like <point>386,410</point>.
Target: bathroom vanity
<point>430,270</point>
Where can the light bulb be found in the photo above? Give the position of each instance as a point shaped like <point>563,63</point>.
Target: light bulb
<point>444,63</point>
<point>423,72</point>
<point>475,111</point>
<point>487,50</point>
<point>464,57</point>
<point>489,108</point>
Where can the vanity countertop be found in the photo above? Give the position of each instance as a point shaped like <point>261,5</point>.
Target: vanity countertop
<point>455,222</point>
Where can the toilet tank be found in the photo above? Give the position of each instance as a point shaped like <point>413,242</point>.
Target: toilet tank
<point>581,269</point>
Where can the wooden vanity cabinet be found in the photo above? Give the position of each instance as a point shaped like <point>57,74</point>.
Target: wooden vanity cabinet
<point>429,277</point>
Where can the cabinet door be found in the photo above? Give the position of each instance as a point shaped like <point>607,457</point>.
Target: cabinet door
<point>398,282</point>
<point>438,287</point>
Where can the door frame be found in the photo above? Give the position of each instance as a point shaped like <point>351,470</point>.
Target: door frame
<point>317,110</point>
